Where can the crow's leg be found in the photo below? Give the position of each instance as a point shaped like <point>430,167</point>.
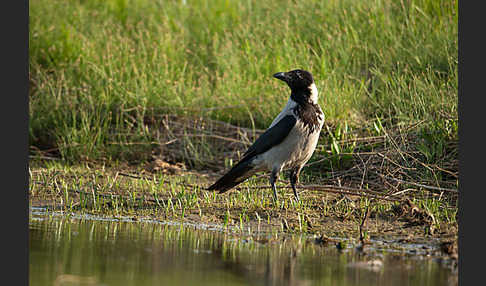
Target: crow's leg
<point>294,179</point>
<point>273,179</point>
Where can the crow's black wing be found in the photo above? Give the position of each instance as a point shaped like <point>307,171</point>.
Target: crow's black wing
<point>243,169</point>
<point>271,137</point>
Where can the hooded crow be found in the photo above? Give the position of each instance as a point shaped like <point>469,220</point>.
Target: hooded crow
<point>289,141</point>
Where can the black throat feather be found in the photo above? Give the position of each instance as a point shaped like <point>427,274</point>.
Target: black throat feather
<point>307,111</point>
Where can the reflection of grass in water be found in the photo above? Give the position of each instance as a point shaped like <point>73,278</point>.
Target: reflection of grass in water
<point>117,252</point>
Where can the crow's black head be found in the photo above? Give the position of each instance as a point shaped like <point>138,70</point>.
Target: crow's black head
<point>300,82</point>
<point>296,79</point>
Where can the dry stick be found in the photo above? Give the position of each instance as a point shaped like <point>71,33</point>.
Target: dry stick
<point>214,136</point>
<point>418,161</point>
<point>144,143</point>
<point>136,143</point>
<point>114,180</point>
<point>332,189</point>
<point>180,135</point>
<point>394,143</point>
<point>323,188</point>
<point>57,148</point>
<point>349,153</point>
<point>393,178</point>
<point>355,194</point>
<point>393,162</point>
<point>391,186</point>
<point>43,157</point>
<point>412,126</point>
<point>363,222</point>
<point>446,171</point>
<point>342,188</point>
<point>401,192</point>
<point>419,185</point>
<point>365,165</point>
<point>132,176</point>
<point>338,174</point>
<point>369,138</point>
<point>214,122</point>
<point>226,124</point>
<point>318,161</point>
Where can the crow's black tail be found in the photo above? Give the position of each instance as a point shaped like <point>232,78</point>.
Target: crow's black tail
<point>240,172</point>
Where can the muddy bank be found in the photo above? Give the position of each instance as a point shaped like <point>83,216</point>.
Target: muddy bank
<point>141,193</point>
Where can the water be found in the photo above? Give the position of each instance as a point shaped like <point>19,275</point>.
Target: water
<point>85,250</point>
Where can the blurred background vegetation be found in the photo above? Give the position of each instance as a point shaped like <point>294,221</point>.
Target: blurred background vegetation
<point>104,73</point>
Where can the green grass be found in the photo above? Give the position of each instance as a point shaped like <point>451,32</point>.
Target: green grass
<point>102,72</point>
<point>122,191</point>
<point>118,81</point>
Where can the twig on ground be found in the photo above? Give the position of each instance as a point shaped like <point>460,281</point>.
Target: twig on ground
<point>419,185</point>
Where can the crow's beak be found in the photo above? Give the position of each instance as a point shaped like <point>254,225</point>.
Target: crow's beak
<point>281,76</point>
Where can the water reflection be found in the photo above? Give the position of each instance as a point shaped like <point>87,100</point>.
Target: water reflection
<point>87,252</point>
